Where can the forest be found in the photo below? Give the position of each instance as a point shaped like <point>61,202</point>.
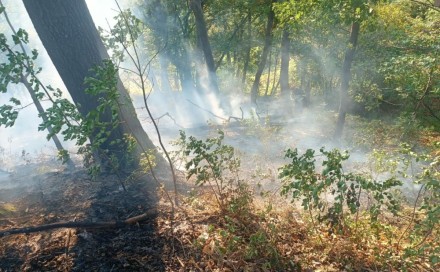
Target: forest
<point>228,135</point>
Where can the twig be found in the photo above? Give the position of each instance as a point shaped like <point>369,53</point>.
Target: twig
<point>429,5</point>
<point>217,116</point>
<point>141,72</point>
<point>210,112</point>
<point>314,226</point>
<point>163,115</point>
<point>425,91</point>
<point>431,111</point>
<point>412,217</point>
<point>33,93</point>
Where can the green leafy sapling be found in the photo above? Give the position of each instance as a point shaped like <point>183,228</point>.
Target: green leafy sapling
<point>303,182</point>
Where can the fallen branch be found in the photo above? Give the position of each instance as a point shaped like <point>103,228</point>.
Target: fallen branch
<point>217,116</point>
<point>160,117</point>
<point>93,225</point>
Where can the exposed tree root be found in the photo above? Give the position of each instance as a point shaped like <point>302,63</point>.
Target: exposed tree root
<point>94,225</point>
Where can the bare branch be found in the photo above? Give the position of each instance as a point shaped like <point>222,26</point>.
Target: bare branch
<point>94,225</point>
<point>427,4</point>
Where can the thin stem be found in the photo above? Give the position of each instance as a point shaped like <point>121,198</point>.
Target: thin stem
<point>140,73</point>
<point>314,226</point>
<point>412,217</point>
<point>357,212</point>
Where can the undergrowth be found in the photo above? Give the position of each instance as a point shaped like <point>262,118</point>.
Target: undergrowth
<point>337,220</point>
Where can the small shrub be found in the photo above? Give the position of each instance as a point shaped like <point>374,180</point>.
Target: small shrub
<point>303,182</point>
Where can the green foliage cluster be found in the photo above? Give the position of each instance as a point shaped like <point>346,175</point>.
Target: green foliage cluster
<point>12,70</point>
<point>302,181</point>
<point>398,67</point>
<point>340,199</point>
<point>214,163</point>
<point>118,152</point>
<point>62,116</point>
<point>355,206</point>
<point>127,29</point>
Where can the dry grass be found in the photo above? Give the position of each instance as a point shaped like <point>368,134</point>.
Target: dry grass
<point>266,237</point>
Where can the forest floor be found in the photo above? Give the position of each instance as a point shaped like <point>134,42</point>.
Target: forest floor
<point>264,232</point>
<point>52,197</point>
<point>165,241</point>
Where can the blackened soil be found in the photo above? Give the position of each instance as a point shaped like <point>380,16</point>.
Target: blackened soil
<point>60,197</point>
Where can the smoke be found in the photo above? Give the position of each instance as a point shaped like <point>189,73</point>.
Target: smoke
<point>277,123</point>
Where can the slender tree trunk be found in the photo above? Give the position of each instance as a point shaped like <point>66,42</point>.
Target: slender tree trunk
<point>285,61</point>
<point>69,35</point>
<point>345,79</point>
<point>35,100</point>
<point>202,32</point>
<point>43,116</point>
<point>248,49</point>
<point>307,92</point>
<point>157,22</point>
<point>176,51</point>
<point>266,49</point>
<point>266,93</point>
<point>185,76</point>
<point>275,79</point>
<point>164,75</point>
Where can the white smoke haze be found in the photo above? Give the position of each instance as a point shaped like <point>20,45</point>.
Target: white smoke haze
<point>276,124</point>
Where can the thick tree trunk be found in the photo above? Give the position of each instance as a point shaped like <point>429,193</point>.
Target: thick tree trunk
<point>265,53</point>
<point>285,61</point>
<point>345,79</point>
<point>69,35</point>
<point>202,32</point>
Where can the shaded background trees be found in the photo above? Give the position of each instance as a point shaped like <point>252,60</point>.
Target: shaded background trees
<point>302,53</point>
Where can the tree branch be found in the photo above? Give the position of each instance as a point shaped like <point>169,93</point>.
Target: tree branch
<point>217,116</point>
<point>427,4</point>
<point>94,225</point>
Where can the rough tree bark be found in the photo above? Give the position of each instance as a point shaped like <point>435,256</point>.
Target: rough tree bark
<point>265,53</point>
<point>202,33</point>
<point>68,33</point>
<point>345,79</point>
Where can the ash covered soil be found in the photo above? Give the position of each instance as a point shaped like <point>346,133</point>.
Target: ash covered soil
<point>29,198</point>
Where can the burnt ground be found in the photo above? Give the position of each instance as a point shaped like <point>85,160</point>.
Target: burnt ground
<point>33,199</point>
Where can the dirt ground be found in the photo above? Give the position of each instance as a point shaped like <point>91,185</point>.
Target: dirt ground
<point>29,198</point>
